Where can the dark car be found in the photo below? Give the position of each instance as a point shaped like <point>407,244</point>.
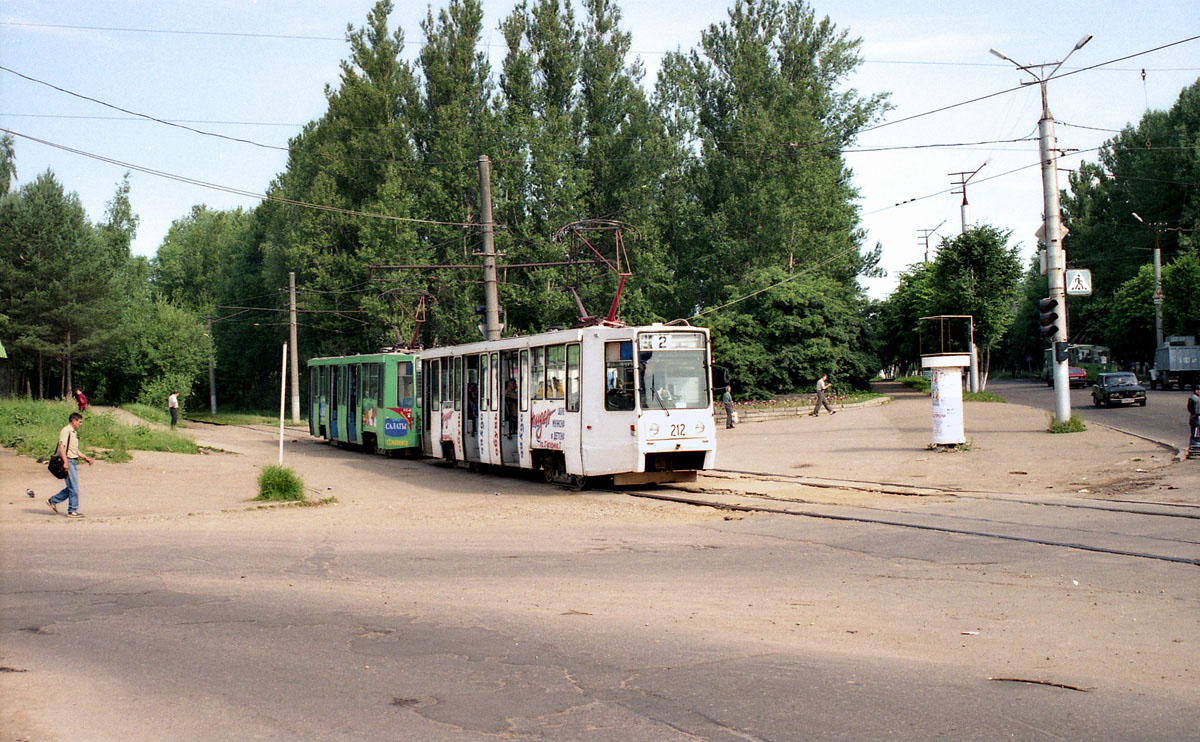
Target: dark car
<point>1118,388</point>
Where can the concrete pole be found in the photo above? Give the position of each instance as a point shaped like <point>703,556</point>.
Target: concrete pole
<point>491,320</point>
<point>292,345</point>
<point>212,379</point>
<point>1158,292</point>
<point>1055,258</point>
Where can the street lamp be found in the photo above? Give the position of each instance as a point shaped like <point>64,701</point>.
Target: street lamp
<point>1158,290</point>
<point>1055,258</point>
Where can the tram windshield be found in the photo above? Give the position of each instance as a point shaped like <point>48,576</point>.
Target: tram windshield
<point>672,371</point>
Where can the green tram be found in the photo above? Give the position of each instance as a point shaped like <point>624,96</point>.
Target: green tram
<point>365,400</point>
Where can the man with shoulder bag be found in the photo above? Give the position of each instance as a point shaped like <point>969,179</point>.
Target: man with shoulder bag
<point>68,449</point>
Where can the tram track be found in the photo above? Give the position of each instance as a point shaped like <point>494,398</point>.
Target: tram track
<point>1180,510</point>
<point>897,523</point>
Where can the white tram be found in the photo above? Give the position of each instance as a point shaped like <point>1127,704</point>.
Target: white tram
<point>633,403</point>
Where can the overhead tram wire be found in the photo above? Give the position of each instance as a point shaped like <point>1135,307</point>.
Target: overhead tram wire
<point>1023,86</point>
<point>236,191</point>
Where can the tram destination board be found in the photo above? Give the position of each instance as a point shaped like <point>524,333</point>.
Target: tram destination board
<point>671,341</point>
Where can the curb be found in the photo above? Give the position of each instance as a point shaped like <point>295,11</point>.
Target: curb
<point>1178,452</point>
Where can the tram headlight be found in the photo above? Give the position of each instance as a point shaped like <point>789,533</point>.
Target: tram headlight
<point>652,428</point>
<point>699,427</point>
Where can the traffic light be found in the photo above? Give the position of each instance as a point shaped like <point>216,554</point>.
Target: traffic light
<point>1048,317</point>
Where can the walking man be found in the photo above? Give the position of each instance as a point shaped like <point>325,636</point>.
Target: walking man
<point>822,384</point>
<point>173,408</point>
<point>727,400</point>
<point>68,448</point>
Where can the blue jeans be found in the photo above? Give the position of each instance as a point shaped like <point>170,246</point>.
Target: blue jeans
<point>71,491</point>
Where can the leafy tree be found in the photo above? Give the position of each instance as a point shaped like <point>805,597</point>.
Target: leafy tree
<point>192,265</point>
<point>898,318</point>
<point>977,273</point>
<point>8,164</point>
<point>58,280</point>
<point>1150,169</point>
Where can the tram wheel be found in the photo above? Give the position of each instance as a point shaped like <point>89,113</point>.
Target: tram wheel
<point>550,470</point>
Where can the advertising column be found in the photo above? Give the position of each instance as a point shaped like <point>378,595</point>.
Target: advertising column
<point>946,396</point>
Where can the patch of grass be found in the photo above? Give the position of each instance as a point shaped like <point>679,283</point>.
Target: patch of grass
<point>279,483</point>
<point>148,413</point>
<point>920,383</point>
<point>982,397</point>
<point>1074,425</point>
<point>31,427</point>
<point>240,417</point>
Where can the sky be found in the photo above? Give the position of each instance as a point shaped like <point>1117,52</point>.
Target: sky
<point>257,70</point>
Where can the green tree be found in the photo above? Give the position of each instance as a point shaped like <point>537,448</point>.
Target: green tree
<point>8,164</point>
<point>58,281</point>
<point>977,273</point>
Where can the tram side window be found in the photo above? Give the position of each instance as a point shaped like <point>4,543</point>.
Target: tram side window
<point>537,375</point>
<point>556,361</point>
<point>457,383</point>
<point>404,384</point>
<point>445,381</point>
<point>618,375</point>
<point>524,379</point>
<point>371,376</point>
<point>485,379</point>
<point>573,378</point>
<point>435,375</point>
<point>492,382</point>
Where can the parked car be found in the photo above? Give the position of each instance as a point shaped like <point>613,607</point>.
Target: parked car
<point>1076,376</point>
<point>1118,388</point>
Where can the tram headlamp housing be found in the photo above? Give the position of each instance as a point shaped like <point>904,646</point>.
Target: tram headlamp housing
<point>652,428</point>
<point>699,427</point>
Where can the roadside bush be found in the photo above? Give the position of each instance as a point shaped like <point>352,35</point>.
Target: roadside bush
<point>279,483</point>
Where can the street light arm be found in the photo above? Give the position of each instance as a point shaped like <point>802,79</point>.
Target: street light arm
<point>1135,216</point>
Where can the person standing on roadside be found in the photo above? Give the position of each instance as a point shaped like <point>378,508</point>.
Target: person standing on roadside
<point>173,408</point>
<point>68,448</point>
<point>727,400</point>
<point>1193,408</point>
<point>822,385</point>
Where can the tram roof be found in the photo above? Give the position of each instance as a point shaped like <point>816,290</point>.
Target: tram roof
<point>552,337</point>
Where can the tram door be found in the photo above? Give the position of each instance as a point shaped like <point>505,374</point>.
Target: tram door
<point>352,404</point>
<point>510,453</point>
<point>335,406</point>
<point>470,420</point>
<point>427,390</point>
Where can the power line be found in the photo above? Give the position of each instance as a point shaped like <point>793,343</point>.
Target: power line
<point>235,191</point>
<point>1022,87</point>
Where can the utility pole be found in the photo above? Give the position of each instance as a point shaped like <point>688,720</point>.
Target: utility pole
<point>1158,289</point>
<point>1055,257</point>
<point>926,234</point>
<point>963,178</point>
<point>292,345</point>
<point>491,297</point>
<point>212,379</point>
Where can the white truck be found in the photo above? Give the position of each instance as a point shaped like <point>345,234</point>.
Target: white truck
<point>1176,363</point>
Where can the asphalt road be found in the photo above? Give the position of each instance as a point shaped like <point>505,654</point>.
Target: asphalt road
<point>1164,418</point>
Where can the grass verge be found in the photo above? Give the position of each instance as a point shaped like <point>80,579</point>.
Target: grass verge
<point>31,428</point>
<point>148,413</point>
<point>243,417</point>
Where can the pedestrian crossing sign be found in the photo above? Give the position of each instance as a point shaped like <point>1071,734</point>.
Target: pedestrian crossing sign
<point>1079,282</point>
